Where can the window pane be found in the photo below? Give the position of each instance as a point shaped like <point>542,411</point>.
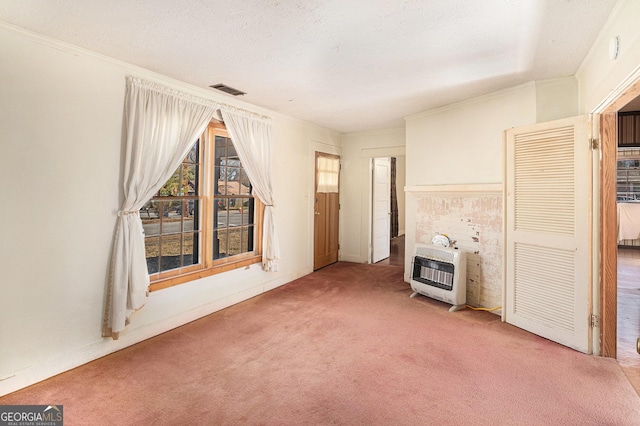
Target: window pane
<point>221,184</point>
<point>220,244</point>
<point>247,211</point>
<point>235,211</point>
<point>152,252</point>
<point>245,185</point>
<point>231,152</point>
<point>233,175</point>
<point>190,209</point>
<point>170,250</point>
<point>189,185</point>
<point>191,249</point>
<point>149,214</point>
<point>172,217</point>
<point>221,148</point>
<point>235,241</point>
<point>172,187</point>
<point>193,155</point>
<point>247,239</point>
<point>327,175</point>
<point>220,219</point>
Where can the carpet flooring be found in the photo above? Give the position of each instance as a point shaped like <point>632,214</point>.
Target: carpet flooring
<point>344,345</point>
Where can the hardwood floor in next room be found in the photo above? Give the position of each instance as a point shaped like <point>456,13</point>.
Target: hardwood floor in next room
<point>396,253</point>
<point>629,314</point>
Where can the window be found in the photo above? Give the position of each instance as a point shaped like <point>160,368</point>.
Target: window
<point>234,206</point>
<point>205,218</point>
<point>628,182</point>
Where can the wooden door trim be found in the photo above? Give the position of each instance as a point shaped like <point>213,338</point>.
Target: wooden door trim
<point>608,215</point>
<point>608,236</point>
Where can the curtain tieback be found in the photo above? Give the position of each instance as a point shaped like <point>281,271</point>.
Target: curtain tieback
<point>125,212</point>
<point>270,205</point>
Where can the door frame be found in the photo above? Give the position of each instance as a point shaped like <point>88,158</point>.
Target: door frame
<point>608,110</point>
<point>324,148</point>
<point>373,207</point>
<point>366,175</point>
<point>336,204</point>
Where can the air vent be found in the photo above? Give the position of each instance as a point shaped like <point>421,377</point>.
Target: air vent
<point>227,89</point>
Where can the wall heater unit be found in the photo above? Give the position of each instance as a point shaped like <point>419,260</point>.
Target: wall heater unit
<point>440,273</point>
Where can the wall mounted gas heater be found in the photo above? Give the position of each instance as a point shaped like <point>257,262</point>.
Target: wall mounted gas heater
<point>440,273</point>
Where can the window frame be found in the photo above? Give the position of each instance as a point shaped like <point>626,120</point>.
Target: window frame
<point>207,265</point>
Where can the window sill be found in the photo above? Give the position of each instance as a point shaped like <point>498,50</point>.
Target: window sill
<point>202,273</point>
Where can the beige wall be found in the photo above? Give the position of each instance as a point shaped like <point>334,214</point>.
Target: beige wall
<point>61,112</point>
<point>599,75</point>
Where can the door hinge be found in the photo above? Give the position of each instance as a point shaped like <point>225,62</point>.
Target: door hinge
<point>594,143</point>
<point>594,321</point>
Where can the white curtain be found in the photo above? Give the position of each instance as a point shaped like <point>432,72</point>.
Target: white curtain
<point>253,139</point>
<point>161,126</point>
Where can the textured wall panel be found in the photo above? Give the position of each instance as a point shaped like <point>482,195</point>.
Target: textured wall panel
<point>473,222</point>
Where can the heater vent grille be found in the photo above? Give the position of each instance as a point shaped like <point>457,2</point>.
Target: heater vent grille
<point>440,273</point>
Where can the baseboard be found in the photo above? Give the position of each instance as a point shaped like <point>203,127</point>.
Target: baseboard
<point>74,358</point>
<point>352,258</point>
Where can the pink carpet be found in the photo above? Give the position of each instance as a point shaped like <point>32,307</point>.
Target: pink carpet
<point>345,345</point>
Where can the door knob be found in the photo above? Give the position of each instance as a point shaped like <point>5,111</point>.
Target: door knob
<point>317,213</point>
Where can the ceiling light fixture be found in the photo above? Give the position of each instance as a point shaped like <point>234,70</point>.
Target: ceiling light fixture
<point>228,89</point>
<point>614,47</point>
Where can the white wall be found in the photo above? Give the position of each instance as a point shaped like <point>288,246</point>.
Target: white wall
<point>462,143</point>
<point>556,99</point>
<point>61,112</point>
<point>355,197</point>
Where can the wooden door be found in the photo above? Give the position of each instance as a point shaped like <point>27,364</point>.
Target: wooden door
<point>326,210</point>
<point>548,230</point>
<point>381,232</point>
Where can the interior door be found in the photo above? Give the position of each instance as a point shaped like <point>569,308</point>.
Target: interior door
<point>548,230</point>
<point>326,210</point>
<point>381,223</point>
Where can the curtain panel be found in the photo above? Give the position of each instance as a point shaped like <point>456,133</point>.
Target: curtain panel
<point>328,174</point>
<point>253,139</point>
<point>161,126</point>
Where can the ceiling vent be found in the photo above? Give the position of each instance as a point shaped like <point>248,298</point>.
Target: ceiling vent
<point>227,89</point>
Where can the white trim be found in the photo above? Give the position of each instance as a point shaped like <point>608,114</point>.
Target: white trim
<point>474,187</point>
<point>620,89</point>
<point>383,152</point>
<point>353,258</point>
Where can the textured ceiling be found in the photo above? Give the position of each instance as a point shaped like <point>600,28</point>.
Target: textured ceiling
<point>349,65</point>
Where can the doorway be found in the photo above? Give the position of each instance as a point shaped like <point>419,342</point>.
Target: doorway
<point>387,210</point>
<point>628,239</point>
<point>617,308</point>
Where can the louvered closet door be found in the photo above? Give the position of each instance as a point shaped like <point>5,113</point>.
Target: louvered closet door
<point>548,188</point>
